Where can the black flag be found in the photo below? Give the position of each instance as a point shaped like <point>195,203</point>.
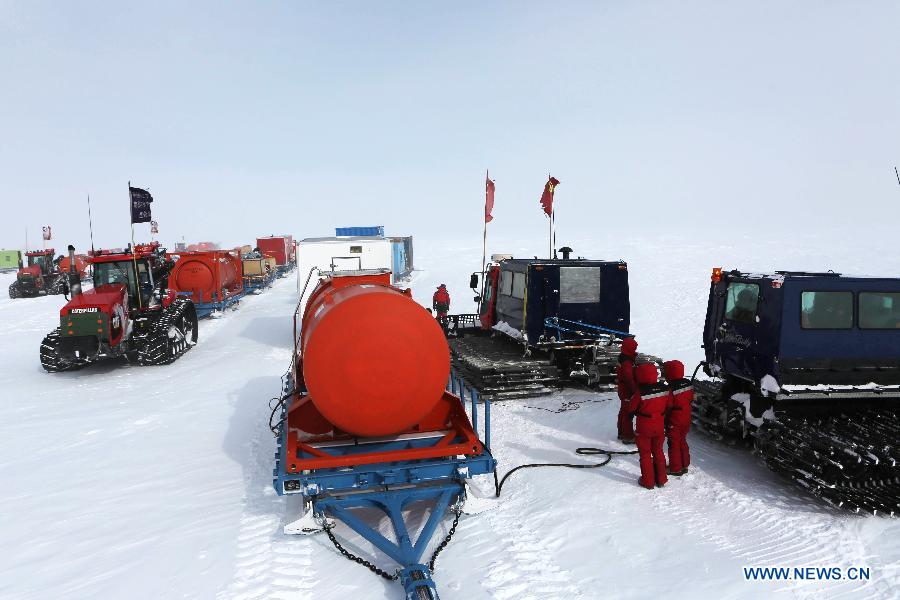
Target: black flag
<point>140,205</point>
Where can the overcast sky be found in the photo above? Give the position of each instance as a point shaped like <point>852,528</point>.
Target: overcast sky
<point>249,118</point>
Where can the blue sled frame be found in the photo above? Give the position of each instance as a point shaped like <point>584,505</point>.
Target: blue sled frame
<point>390,488</point>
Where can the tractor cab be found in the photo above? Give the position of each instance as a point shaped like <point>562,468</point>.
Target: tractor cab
<point>141,272</point>
<point>122,272</point>
<point>554,302</point>
<point>800,328</point>
<point>42,259</point>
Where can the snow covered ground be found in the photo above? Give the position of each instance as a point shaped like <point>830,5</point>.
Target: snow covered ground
<point>156,482</point>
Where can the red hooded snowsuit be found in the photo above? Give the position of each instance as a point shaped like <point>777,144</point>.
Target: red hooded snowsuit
<point>626,385</point>
<point>440,302</point>
<point>680,416</point>
<point>650,403</point>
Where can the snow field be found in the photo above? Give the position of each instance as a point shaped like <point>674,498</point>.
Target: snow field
<point>155,482</point>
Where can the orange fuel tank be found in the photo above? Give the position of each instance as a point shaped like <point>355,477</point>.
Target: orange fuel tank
<point>210,276</point>
<point>375,363</point>
<point>81,264</point>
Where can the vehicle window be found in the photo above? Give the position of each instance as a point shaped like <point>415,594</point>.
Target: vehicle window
<point>355,249</point>
<point>41,261</point>
<point>518,285</point>
<point>879,310</point>
<point>115,272</point>
<point>505,283</point>
<point>826,310</point>
<point>579,285</point>
<point>741,302</point>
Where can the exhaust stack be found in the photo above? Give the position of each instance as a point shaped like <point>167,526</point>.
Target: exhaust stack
<point>566,251</point>
<point>74,277</point>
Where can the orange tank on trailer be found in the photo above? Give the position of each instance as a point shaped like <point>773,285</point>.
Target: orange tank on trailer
<point>81,264</point>
<point>209,276</point>
<point>374,362</point>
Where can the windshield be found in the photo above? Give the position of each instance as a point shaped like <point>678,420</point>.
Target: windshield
<point>110,273</point>
<point>43,261</point>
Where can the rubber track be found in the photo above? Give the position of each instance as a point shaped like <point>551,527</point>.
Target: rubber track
<point>157,347</point>
<point>497,369</point>
<point>848,459</point>
<point>50,357</point>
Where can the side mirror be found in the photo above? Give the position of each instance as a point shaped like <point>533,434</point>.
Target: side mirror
<point>473,281</point>
<point>477,299</point>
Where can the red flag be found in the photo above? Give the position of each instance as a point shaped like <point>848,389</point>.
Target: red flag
<point>488,198</point>
<point>547,196</point>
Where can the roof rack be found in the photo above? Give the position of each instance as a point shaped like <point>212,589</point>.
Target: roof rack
<point>808,273</point>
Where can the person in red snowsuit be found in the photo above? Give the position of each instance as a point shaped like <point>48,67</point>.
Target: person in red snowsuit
<point>679,422</point>
<point>440,302</point>
<point>650,403</point>
<point>626,386</point>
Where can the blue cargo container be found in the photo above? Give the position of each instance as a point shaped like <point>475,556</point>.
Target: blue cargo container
<point>377,230</point>
<point>401,257</point>
<point>398,259</point>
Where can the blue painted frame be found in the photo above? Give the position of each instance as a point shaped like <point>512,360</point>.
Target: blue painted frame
<point>336,492</point>
<point>204,309</point>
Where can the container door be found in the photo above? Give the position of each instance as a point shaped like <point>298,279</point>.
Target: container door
<point>735,337</point>
<point>488,308</point>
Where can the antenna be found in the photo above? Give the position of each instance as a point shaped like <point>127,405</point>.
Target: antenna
<point>90,224</point>
<point>897,173</point>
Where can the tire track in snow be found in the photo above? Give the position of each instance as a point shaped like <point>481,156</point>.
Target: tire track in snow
<point>778,528</point>
<point>268,563</point>
<point>514,562</point>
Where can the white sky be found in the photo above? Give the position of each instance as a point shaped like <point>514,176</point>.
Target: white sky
<point>246,119</point>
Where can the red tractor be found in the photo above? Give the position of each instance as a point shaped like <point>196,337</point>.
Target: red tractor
<point>129,313</point>
<point>41,276</point>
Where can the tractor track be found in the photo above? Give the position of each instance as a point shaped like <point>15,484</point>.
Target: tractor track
<point>516,563</point>
<point>268,563</point>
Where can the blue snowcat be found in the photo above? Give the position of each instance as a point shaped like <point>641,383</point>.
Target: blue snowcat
<point>806,366</point>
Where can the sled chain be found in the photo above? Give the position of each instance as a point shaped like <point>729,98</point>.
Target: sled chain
<point>446,540</point>
<point>358,559</point>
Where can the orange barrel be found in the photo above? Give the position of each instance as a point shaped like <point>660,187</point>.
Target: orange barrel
<point>206,273</point>
<point>375,363</point>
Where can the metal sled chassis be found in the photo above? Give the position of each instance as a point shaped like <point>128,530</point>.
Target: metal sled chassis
<point>390,486</point>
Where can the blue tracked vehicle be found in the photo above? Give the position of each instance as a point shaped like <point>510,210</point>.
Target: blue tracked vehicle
<point>807,367</point>
<point>542,323</point>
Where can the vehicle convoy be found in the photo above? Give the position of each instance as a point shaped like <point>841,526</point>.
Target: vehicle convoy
<point>367,422</point>
<point>130,312</point>
<point>543,322</point>
<point>807,367</point>
<point>40,276</point>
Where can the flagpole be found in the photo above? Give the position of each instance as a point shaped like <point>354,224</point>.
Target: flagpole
<point>553,229</point>
<point>90,224</point>
<point>484,239</point>
<point>137,284</point>
<point>551,233</point>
